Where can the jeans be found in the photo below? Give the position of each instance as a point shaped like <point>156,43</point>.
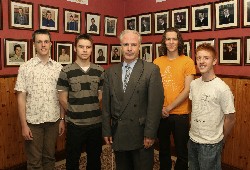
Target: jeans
<point>204,156</point>
<point>178,125</point>
<point>76,137</point>
<point>40,151</point>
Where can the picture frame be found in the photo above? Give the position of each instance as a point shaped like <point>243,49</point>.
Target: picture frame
<point>1,18</point>
<point>115,53</point>
<point>247,51</point>
<point>187,48</point>
<point>161,23</point>
<point>146,52</point>
<point>230,51</point>
<point>226,14</point>
<point>145,26</point>
<point>100,54</point>
<point>21,15</point>
<point>93,23</point>
<point>49,18</point>
<point>64,52</point>
<point>158,52</point>
<point>0,55</point>
<point>16,52</point>
<point>110,27</point>
<point>72,21</point>
<point>197,42</point>
<point>246,13</point>
<point>180,19</point>
<point>202,17</point>
<point>33,50</point>
<point>130,23</point>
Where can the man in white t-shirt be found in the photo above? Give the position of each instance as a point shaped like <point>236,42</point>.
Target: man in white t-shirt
<point>213,113</point>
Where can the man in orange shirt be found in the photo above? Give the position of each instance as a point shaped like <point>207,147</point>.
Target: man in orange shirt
<point>177,72</point>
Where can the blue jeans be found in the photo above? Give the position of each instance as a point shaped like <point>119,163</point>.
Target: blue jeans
<point>204,156</point>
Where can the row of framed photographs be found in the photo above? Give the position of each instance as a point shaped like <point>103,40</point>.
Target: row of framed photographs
<point>21,17</point>
<point>16,51</point>
<point>229,49</point>
<point>225,14</point>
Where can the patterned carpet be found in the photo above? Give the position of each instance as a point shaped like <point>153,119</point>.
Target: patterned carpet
<point>107,158</point>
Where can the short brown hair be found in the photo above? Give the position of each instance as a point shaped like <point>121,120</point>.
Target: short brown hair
<point>207,47</point>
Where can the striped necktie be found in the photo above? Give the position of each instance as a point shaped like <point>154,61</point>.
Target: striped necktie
<point>126,78</point>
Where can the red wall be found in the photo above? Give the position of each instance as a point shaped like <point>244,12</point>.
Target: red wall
<point>120,8</point>
<point>103,7</point>
<point>147,6</point>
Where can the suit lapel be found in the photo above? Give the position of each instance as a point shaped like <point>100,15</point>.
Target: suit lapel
<point>118,85</point>
<point>133,82</point>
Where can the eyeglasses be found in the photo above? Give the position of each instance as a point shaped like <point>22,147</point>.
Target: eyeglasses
<point>127,45</point>
<point>45,42</point>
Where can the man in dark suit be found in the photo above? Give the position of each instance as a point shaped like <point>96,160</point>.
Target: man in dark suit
<point>132,105</point>
<point>72,24</point>
<point>145,25</point>
<point>161,24</point>
<point>227,17</point>
<point>93,27</point>
<point>201,20</point>
<point>21,18</point>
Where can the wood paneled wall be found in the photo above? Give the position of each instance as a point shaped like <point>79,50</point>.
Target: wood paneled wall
<point>236,152</point>
<point>11,141</point>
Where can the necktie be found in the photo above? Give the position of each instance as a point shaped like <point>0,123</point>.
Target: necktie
<point>126,78</point>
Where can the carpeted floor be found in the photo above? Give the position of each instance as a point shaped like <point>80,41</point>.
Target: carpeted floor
<point>107,160</point>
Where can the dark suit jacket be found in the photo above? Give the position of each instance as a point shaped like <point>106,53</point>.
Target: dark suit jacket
<point>93,28</point>
<point>229,19</point>
<point>136,113</point>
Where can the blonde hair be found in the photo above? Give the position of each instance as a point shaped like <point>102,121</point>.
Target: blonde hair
<point>207,47</point>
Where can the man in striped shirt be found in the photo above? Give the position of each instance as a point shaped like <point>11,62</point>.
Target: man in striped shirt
<point>80,91</point>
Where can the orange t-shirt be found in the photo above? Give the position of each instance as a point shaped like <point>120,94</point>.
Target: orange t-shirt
<point>173,73</point>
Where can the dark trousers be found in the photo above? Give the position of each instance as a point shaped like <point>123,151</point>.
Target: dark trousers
<point>76,137</point>
<point>178,125</point>
<point>139,159</point>
<point>40,151</point>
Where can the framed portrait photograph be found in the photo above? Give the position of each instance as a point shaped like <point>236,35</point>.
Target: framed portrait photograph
<point>187,48</point>
<point>21,15</point>
<point>33,51</point>
<point>202,17</point>
<point>226,14</point>
<point>230,51</point>
<point>72,21</point>
<point>64,52</point>
<point>161,23</point>
<point>180,19</point>
<point>158,51</point>
<point>110,28</point>
<point>146,52</point>
<point>130,23</point>
<point>246,13</point>
<point>145,27</point>
<point>115,53</point>
<point>49,18</point>
<point>16,52</point>
<point>93,23</point>
<point>247,51</point>
<point>100,54</point>
<point>199,41</point>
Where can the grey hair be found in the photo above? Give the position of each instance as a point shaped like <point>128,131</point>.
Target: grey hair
<point>130,31</point>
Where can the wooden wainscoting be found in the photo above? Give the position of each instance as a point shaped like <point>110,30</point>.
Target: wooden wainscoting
<point>235,154</point>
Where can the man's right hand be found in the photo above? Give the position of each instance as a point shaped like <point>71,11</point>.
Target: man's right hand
<point>108,140</point>
<point>27,134</point>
